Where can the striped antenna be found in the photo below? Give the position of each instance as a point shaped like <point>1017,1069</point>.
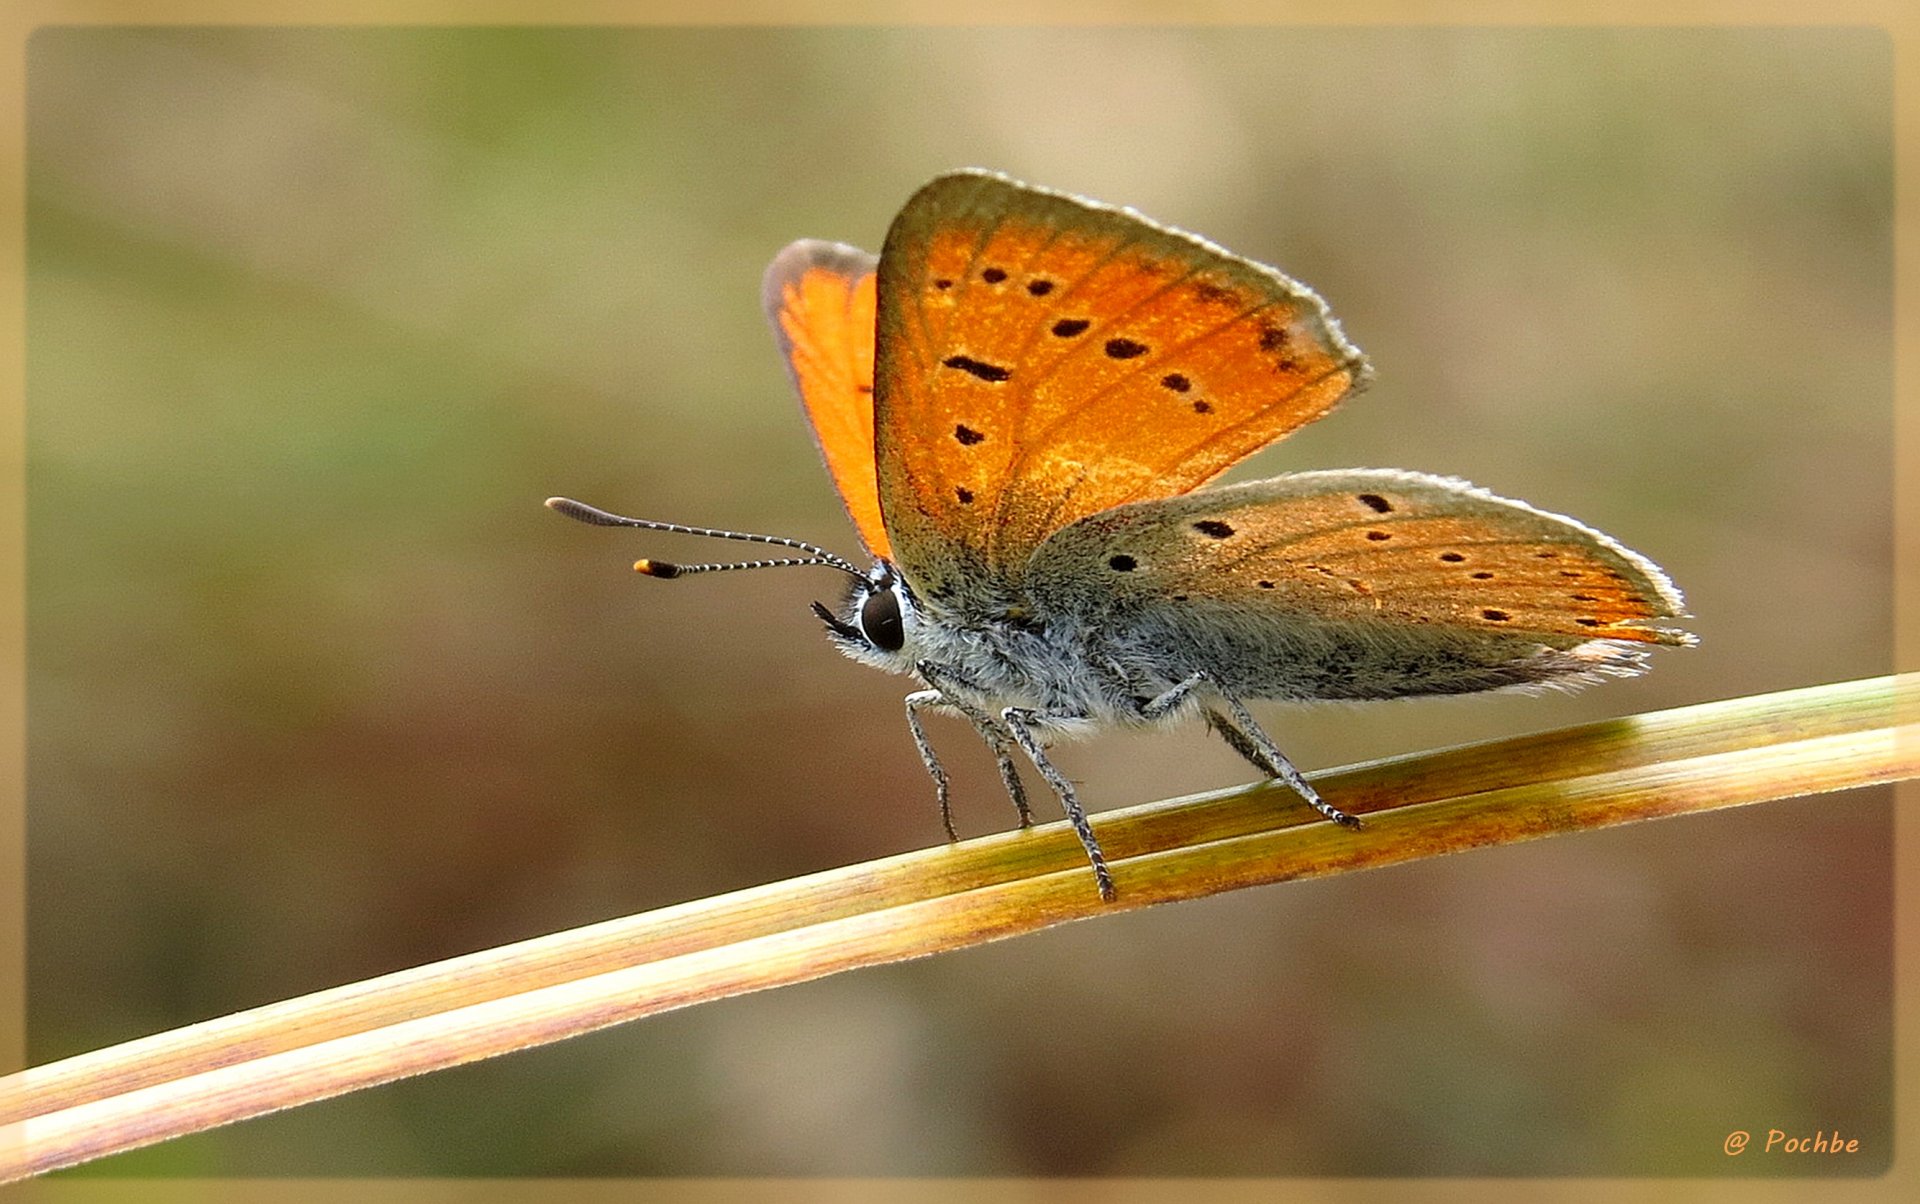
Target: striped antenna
<point>667,569</point>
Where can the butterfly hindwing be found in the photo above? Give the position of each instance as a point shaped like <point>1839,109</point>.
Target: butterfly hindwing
<point>1361,583</point>
<point>1042,358</point>
<point>820,298</point>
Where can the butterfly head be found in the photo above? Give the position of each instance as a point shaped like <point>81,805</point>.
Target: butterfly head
<point>877,620</point>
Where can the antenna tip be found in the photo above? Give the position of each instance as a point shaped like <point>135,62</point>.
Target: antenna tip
<point>581,512</point>
<point>656,568</point>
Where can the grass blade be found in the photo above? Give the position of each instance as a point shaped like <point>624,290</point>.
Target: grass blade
<point>1688,760</point>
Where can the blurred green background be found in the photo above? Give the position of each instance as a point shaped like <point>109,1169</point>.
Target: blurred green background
<point>318,690</point>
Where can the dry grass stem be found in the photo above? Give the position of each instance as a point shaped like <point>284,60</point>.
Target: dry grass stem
<point>518,996</point>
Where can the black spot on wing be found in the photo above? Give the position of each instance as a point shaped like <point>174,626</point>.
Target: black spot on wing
<point>980,368</point>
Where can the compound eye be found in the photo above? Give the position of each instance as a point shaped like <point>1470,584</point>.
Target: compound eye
<point>880,621</point>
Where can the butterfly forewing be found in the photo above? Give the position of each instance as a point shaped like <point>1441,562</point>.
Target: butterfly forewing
<point>820,298</point>
<point>1041,358</point>
<point>1391,563</point>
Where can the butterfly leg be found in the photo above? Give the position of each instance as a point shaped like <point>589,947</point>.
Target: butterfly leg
<point>1170,698</point>
<point>996,738</point>
<point>1224,728</point>
<point>1249,731</point>
<point>1154,708</point>
<point>991,733</point>
<point>1024,724</point>
<point>917,701</point>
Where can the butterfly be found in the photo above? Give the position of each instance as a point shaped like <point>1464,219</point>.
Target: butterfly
<point>1019,401</point>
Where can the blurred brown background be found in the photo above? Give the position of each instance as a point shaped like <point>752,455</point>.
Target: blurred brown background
<point>318,690</point>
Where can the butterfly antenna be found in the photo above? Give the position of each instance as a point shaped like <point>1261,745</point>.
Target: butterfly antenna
<point>582,512</point>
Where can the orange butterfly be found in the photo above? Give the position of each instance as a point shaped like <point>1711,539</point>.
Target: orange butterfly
<point>1018,401</point>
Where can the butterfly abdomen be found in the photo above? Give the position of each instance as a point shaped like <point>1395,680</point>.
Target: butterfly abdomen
<point>1308,659</point>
